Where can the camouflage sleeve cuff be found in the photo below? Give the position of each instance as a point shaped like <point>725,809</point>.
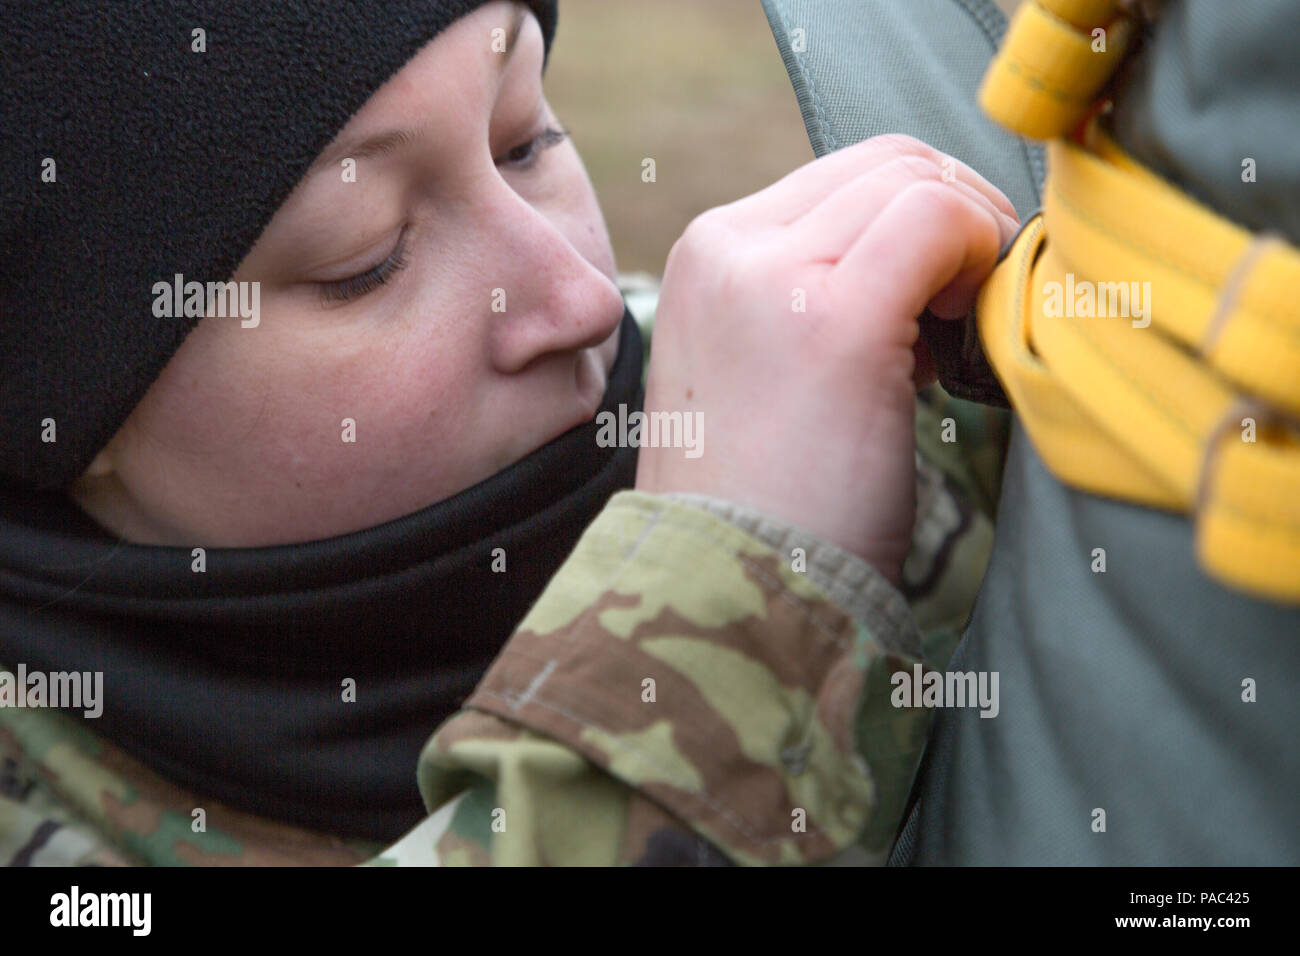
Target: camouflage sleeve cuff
<point>850,582</point>
<point>689,660</point>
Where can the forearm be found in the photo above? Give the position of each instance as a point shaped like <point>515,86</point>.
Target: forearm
<point>681,693</point>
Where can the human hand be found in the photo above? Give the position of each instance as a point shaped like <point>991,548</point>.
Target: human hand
<point>810,414</point>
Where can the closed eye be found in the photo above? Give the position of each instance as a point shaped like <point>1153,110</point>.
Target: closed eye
<point>352,287</point>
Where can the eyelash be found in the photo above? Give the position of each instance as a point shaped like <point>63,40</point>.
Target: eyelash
<point>549,137</point>
<point>358,285</point>
<point>368,281</point>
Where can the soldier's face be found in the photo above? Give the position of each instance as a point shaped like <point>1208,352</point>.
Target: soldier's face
<point>444,296</point>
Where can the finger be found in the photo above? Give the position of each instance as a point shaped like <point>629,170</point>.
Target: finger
<point>1008,225</point>
<point>957,298</point>
<point>826,232</point>
<point>921,242</point>
<point>799,191</point>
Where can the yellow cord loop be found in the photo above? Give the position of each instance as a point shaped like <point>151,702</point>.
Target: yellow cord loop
<point>1150,346</point>
<point>1056,58</point>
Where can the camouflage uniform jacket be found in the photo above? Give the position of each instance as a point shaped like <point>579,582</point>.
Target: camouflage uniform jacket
<point>697,684</point>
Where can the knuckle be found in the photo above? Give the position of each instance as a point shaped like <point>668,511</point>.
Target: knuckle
<point>933,197</point>
<point>913,166</point>
<point>702,234</point>
<point>706,231</point>
<point>712,254</point>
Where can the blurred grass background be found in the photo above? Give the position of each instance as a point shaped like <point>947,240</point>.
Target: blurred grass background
<point>697,85</point>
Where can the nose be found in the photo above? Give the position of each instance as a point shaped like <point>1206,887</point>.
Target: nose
<point>551,299</point>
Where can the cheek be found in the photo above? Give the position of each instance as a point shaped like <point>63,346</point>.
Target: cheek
<point>414,435</point>
<point>204,404</point>
<point>307,431</point>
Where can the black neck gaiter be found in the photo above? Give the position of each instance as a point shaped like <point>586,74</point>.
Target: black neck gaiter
<point>231,682</point>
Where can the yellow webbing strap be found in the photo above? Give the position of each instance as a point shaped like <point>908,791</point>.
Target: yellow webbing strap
<point>1151,347</point>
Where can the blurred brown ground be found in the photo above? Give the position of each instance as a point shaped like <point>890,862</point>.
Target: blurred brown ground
<point>697,85</point>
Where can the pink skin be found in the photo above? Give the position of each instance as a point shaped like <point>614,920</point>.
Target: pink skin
<point>239,441</point>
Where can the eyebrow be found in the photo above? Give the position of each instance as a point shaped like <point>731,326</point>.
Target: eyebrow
<point>394,139</point>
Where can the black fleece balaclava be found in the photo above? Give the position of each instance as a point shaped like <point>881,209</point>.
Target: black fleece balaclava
<point>135,148</point>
